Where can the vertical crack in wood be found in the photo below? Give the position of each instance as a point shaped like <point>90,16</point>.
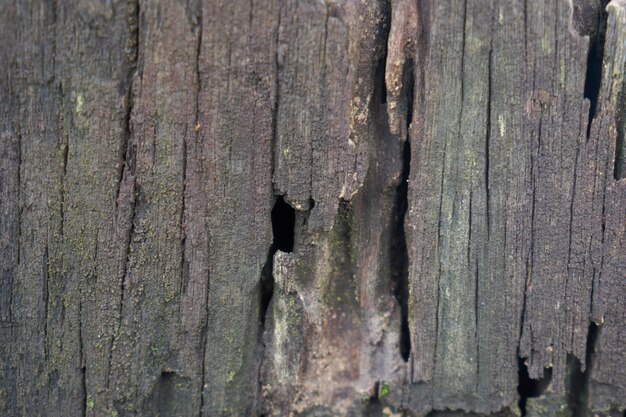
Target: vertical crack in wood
<point>267,282</point>
<point>204,338</point>
<point>283,223</point>
<point>203,341</point>
<point>132,51</point>
<point>128,152</point>
<point>64,143</point>
<point>402,30</point>
<point>579,375</point>
<point>126,169</point>
<point>398,256</point>
<point>522,369</point>
<point>531,251</point>
<point>576,395</point>
<point>197,136</point>
<point>593,76</point>
<point>283,218</point>
<point>81,361</point>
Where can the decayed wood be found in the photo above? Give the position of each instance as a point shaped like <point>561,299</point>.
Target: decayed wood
<point>307,207</point>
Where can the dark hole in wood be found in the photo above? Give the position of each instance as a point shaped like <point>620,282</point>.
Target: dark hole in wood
<point>528,387</point>
<point>283,221</point>
<point>283,225</point>
<point>578,388</point>
<point>170,396</point>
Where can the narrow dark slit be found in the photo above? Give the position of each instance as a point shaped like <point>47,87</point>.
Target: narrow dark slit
<point>620,146</point>
<point>267,286</point>
<point>83,379</point>
<point>399,258</point>
<point>283,226</point>
<point>399,255</point>
<point>595,55</point>
<point>380,87</point>
<point>81,359</point>
<point>528,387</point>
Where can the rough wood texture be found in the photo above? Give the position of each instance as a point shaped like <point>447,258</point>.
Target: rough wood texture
<point>308,207</point>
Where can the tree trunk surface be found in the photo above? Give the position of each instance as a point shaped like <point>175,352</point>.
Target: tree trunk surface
<point>312,208</point>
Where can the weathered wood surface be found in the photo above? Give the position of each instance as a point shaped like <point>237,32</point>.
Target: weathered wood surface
<point>311,207</point>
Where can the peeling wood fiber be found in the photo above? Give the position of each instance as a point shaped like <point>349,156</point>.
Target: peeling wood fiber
<point>312,208</point>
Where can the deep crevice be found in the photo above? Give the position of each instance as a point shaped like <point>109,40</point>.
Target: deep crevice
<point>283,218</point>
<point>380,86</point>
<point>267,287</point>
<point>398,252</point>
<point>528,387</point>
<point>595,55</point>
<point>399,258</point>
<point>126,152</point>
<point>578,384</point>
<point>384,28</point>
<point>576,392</point>
<point>283,227</point>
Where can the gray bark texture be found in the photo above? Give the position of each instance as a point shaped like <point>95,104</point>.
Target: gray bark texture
<point>312,208</point>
